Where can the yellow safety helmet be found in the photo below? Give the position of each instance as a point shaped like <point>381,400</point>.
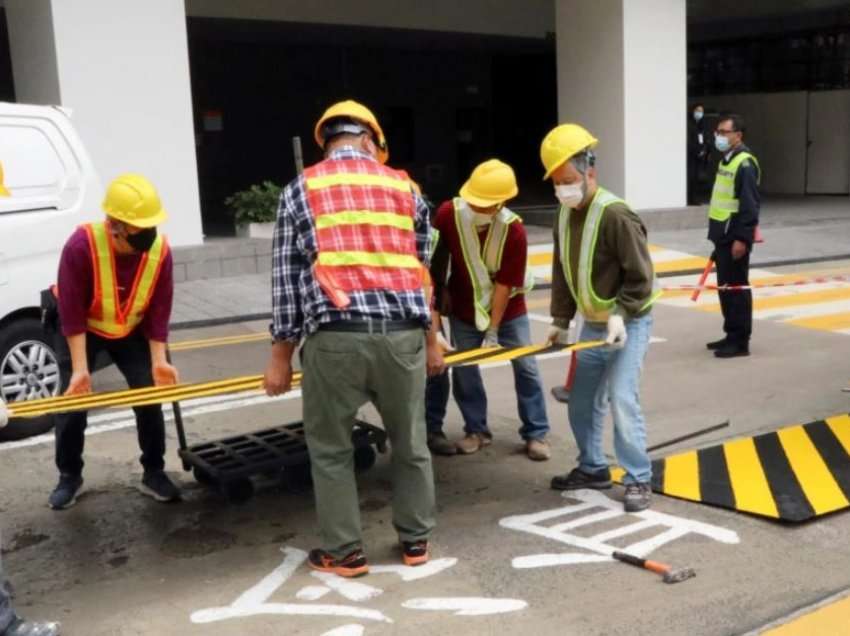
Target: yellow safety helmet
<point>131,198</point>
<point>491,183</point>
<point>4,192</point>
<point>563,142</point>
<point>354,110</point>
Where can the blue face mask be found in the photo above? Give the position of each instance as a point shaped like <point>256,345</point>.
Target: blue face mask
<point>698,115</point>
<point>721,143</point>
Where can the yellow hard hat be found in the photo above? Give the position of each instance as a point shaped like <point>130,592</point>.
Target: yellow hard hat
<point>354,110</point>
<point>3,191</point>
<point>131,198</point>
<point>491,182</point>
<point>563,142</point>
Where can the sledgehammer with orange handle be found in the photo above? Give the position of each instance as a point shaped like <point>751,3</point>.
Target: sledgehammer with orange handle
<point>668,573</point>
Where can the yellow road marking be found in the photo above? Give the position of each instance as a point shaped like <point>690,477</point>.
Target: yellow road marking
<point>831,322</point>
<point>693,262</point>
<point>811,471</point>
<point>829,619</point>
<point>217,342</point>
<point>840,426</point>
<point>790,300</point>
<point>749,484</point>
<point>540,258</point>
<point>681,476</point>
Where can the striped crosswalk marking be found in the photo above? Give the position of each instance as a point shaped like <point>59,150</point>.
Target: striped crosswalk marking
<point>794,474</point>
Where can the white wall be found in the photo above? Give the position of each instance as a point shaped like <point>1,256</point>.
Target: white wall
<point>123,69</point>
<point>829,143</point>
<point>622,75</point>
<point>525,18</point>
<point>656,93</point>
<point>776,133</point>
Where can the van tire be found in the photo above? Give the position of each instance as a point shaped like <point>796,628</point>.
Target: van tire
<point>23,330</point>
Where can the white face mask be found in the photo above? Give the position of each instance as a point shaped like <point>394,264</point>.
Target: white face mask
<point>481,219</point>
<point>571,195</point>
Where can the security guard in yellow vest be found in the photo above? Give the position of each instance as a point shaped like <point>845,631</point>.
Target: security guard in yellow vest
<point>114,294</point>
<point>602,269</point>
<point>732,219</point>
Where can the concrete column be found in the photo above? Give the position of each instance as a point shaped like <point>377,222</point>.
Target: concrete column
<point>122,67</point>
<point>622,73</point>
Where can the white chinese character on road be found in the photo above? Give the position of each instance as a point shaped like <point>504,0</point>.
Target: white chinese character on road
<point>256,601</point>
<point>595,548</point>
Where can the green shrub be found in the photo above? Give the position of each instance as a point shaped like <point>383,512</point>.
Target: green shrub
<point>257,204</point>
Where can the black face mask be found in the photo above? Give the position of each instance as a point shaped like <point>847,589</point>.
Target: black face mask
<point>142,241</point>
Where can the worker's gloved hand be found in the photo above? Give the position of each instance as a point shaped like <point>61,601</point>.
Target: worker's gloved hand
<point>557,335</point>
<point>491,338</point>
<point>4,414</point>
<point>165,374</point>
<point>616,337</point>
<point>80,383</point>
<point>445,345</point>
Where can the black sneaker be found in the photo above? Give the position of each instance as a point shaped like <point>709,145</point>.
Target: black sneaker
<point>576,479</point>
<point>416,552</point>
<point>156,484</point>
<point>66,491</point>
<point>732,350</point>
<point>20,627</point>
<point>350,566</point>
<point>638,495</point>
<point>714,346</point>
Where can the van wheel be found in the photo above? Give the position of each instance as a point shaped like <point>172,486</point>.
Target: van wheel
<point>28,370</point>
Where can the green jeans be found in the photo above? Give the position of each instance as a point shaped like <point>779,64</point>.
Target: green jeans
<point>342,372</point>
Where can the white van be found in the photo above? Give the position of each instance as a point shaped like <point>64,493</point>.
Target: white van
<point>52,189</point>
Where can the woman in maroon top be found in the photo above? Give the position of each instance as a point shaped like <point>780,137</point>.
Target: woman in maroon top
<point>128,323</point>
<point>498,316</point>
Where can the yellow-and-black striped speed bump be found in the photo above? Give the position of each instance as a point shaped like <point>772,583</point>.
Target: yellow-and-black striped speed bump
<point>793,474</point>
<point>163,394</point>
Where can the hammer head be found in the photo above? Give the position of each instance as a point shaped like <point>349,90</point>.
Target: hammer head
<point>679,574</point>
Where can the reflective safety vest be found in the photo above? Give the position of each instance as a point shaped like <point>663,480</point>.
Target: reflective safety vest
<point>482,268</point>
<point>364,215</point>
<point>591,306</point>
<point>723,201</point>
<point>107,316</point>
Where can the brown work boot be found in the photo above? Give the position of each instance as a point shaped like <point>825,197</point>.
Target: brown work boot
<point>438,444</point>
<point>538,449</point>
<point>472,443</point>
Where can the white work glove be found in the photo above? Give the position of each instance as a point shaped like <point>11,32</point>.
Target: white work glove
<point>4,414</point>
<point>558,336</point>
<point>444,344</point>
<point>491,338</point>
<point>616,338</point>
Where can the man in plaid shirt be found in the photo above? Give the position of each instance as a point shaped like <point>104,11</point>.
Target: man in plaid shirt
<point>350,248</point>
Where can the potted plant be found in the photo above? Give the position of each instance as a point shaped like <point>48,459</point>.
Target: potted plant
<point>255,209</point>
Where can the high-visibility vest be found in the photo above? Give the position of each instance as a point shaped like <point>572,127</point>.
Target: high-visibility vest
<point>723,201</point>
<point>108,316</point>
<point>591,306</point>
<point>482,264</point>
<point>364,216</point>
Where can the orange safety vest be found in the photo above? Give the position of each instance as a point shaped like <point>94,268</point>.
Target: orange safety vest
<point>107,317</point>
<point>364,214</point>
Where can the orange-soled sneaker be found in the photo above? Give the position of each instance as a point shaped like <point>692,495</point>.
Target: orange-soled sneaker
<point>350,566</point>
<point>415,553</point>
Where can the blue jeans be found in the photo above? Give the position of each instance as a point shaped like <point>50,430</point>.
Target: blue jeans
<point>469,388</point>
<point>602,376</point>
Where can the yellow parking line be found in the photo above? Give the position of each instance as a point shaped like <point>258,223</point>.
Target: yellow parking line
<point>829,619</point>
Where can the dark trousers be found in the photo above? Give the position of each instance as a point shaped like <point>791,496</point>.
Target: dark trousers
<point>133,358</point>
<point>737,306</point>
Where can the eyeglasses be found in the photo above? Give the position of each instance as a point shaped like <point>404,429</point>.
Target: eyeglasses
<point>724,132</point>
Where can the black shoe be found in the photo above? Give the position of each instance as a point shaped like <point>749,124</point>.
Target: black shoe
<point>732,350</point>
<point>576,479</point>
<point>66,491</point>
<point>350,566</point>
<point>156,484</point>
<point>20,627</point>
<point>717,344</point>
<point>415,553</point>
<point>638,496</point>
<point>439,444</point>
